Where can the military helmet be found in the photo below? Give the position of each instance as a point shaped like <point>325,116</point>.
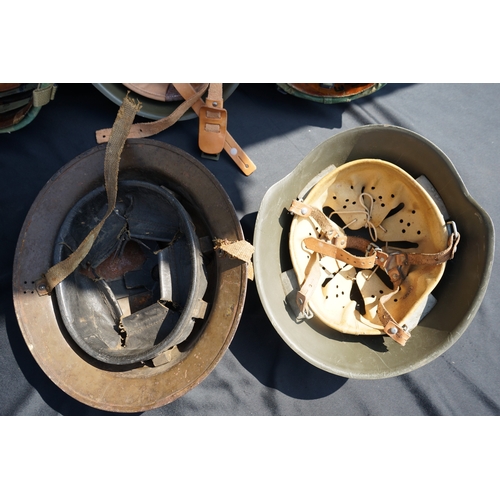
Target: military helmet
<point>330,93</point>
<point>20,103</point>
<point>158,100</point>
<point>152,307</point>
<point>349,208</point>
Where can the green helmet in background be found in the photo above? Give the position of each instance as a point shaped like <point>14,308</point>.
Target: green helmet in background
<point>330,93</point>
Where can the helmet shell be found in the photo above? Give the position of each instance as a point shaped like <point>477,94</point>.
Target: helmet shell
<point>152,108</point>
<point>138,387</point>
<point>20,103</point>
<point>459,292</point>
<point>330,93</point>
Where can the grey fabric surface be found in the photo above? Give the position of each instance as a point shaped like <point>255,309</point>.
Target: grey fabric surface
<point>260,374</point>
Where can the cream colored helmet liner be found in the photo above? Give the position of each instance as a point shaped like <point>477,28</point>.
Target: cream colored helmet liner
<point>368,245</point>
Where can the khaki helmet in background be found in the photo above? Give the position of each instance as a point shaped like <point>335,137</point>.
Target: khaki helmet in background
<point>346,334</point>
<point>145,313</point>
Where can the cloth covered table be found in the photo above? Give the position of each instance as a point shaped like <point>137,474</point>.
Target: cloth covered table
<point>259,374</point>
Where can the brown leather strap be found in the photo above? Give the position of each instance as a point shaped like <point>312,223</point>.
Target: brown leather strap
<point>326,248</point>
<point>147,129</point>
<point>391,326</point>
<point>427,259</point>
<point>388,262</point>
<point>311,281</point>
<point>329,229</point>
<point>237,154</point>
<point>215,97</point>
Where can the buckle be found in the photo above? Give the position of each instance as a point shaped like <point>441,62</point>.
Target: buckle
<point>212,129</point>
<point>453,229</point>
<point>372,248</point>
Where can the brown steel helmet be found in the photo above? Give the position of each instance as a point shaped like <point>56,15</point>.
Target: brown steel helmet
<point>120,293</point>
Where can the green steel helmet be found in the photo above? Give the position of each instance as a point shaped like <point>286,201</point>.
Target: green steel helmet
<point>152,307</point>
<point>20,103</point>
<point>355,260</point>
<point>330,93</point>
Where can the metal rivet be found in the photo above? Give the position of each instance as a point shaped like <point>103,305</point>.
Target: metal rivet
<point>41,287</point>
<point>303,211</point>
<point>215,104</point>
<point>393,330</point>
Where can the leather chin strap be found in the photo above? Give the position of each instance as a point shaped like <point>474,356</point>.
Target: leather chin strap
<point>237,154</point>
<point>333,243</point>
<point>213,136</point>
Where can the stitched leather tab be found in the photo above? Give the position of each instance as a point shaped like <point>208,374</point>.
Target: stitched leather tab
<point>212,129</point>
<point>244,163</point>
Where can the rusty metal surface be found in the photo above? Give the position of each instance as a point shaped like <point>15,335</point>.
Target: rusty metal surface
<point>143,387</point>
